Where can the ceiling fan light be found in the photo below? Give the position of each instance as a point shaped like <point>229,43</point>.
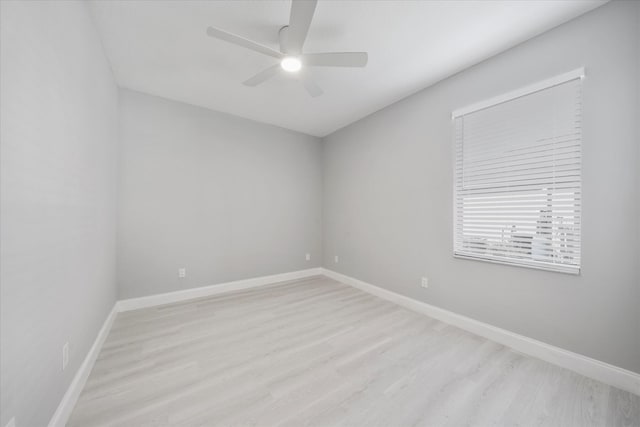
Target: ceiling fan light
<point>291,64</point>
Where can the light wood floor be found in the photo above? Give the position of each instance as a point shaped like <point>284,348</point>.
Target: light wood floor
<point>316,352</point>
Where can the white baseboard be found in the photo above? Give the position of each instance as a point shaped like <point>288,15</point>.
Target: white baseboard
<point>187,294</point>
<point>592,368</point>
<point>61,416</point>
<point>609,374</point>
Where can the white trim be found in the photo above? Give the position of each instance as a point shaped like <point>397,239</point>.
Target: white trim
<point>609,374</point>
<point>61,416</point>
<point>187,294</point>
<point>583,365</point>
<point>578,73</point>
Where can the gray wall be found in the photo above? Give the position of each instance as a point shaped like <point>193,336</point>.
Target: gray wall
<point>638,164</point>
<point>388,196</point>
<point>58,104</point>
<point>224,197</point>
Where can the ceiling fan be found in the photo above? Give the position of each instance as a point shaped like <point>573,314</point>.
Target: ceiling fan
<point>291,56</point>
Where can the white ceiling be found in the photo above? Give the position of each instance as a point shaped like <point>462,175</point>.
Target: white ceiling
<point>160,47</point>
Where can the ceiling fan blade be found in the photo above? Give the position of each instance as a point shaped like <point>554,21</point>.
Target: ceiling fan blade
<point>312,88</point>
<point>241,41</point>
<point>299,22</point>
<point>336,59</point>
<point>263,75</point>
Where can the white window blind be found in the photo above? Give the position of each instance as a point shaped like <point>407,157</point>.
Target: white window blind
<point>518,178</point>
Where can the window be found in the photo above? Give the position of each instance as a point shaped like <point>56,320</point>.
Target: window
<point>518,177</point>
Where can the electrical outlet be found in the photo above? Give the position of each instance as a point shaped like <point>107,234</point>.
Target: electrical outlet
<point>11,423</point>
<point>308,257</point>
<point>336,259</point>
<point>65,355</point>
<point>425,282</point>
<point>182,272</point>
